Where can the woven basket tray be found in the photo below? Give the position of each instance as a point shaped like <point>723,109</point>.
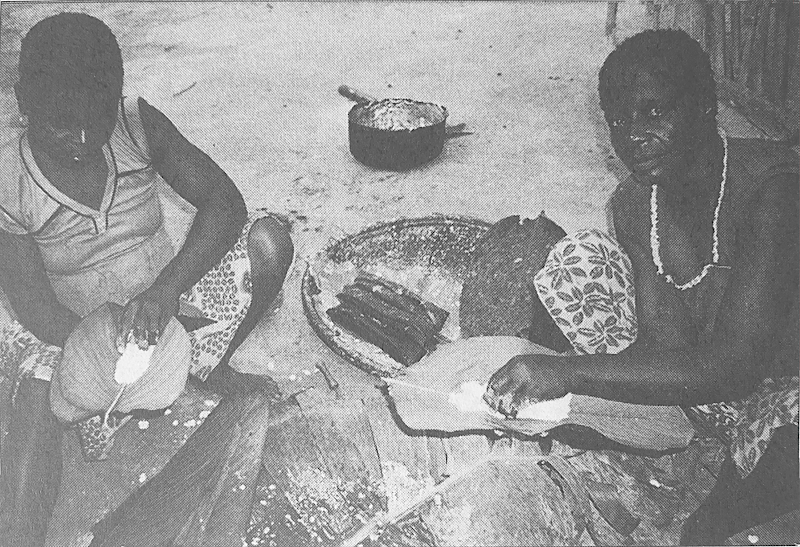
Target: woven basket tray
<point>413,251</point>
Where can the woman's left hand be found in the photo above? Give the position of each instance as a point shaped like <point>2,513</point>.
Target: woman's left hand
<point>146,315</point>
<point>525,378</point>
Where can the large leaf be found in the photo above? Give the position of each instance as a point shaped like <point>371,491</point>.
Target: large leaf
<point>84,382</point>
<point>421,397</point>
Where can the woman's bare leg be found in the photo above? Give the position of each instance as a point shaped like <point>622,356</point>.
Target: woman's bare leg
<point>271,251</point>
<point>31,467</point>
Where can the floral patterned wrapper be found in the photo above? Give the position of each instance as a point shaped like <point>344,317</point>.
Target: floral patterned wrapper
<point>222,295</point>
<point>587,287</point>
<point>747,426</point>
<point>97,437</point>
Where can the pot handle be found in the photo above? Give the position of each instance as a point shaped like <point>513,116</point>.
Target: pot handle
<point>355,95</point>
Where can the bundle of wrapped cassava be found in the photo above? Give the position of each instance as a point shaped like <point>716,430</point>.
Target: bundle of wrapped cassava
<point>498,298</point>
<point>93,372</point>
<point>389,316</point>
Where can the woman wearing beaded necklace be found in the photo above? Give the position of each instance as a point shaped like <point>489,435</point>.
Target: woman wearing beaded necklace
<point>710,225</point>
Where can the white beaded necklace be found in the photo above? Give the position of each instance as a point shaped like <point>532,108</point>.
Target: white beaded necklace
<point>655,244</point>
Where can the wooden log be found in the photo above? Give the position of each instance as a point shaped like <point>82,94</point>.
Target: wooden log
<point>462,451</point>
<point>611,21</point>
<point>290,456</point>
<point>731,39</point>
<point>342,433</point>
<point>735,41</point>
<point>791,101</point>
<point>653,15</point>
<point>397,445</point>
<point>718,29</point>
<point>221,519</point>
<point>771,55</point>
<point>690,16</point>
<point>185,504</point>
<point>762,50</point>
<point>273,519</point>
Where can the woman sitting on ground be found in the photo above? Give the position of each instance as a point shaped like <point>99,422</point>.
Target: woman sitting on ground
<point>81,225</point>
<point>708,235</point>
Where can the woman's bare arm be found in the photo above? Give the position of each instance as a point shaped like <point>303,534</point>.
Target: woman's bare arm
<point>221,212</point>
<point>763,286</point>
<point>764,283</point>
<point>218,222</point>
<point>23,279</point>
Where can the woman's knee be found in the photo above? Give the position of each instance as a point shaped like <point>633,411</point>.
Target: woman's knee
<point>270,245</point>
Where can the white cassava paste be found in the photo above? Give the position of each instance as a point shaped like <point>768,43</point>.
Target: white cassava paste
<point>469,398</point>
<point>132,364</point>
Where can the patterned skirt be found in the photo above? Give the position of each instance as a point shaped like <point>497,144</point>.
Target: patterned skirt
<point>223,296</point>
<point>587,287</point>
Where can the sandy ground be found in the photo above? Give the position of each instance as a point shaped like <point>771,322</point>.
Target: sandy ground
<point>254,85</point>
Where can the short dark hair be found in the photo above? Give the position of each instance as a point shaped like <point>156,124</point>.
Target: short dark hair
<point>675,56</point>
<point>68,51</point>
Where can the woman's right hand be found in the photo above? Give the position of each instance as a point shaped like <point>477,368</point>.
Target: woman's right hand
<point>524,379</point>
<point>144,318</point>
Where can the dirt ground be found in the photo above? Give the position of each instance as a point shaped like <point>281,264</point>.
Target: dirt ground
<point>254,85</point>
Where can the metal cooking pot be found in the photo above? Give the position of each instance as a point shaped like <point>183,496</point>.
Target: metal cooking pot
<point>396,134</point>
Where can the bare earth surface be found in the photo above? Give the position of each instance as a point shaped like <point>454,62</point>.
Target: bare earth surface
<point>254,85</point>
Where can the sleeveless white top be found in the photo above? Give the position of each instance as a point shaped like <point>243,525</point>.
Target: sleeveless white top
<point>91,255</point>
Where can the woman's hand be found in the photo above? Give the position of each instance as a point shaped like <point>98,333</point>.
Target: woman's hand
<point>525,378</point>
<point>146,315</point>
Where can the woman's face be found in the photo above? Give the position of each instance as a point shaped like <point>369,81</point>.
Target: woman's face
<point>73,127</point>
<point>653,129</point>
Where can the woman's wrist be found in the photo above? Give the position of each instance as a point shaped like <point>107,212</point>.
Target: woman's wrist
<point>170,282</point>
<point>570,373</point>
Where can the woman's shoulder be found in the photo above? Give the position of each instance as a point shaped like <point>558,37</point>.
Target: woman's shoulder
<point>762,159</point>
<point>629,208</point>
<point>23,204</point>
<point>759,168</point>
<point>11,181</point>
<point>129,140</point>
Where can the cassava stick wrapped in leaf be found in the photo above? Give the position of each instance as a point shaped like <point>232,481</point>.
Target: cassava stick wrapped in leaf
<point>389,316</point>
<point>408,300</point>
<point>418,327</point>
<point>400,346</point>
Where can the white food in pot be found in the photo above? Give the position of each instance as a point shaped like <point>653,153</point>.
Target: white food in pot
<point>399,115</point>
